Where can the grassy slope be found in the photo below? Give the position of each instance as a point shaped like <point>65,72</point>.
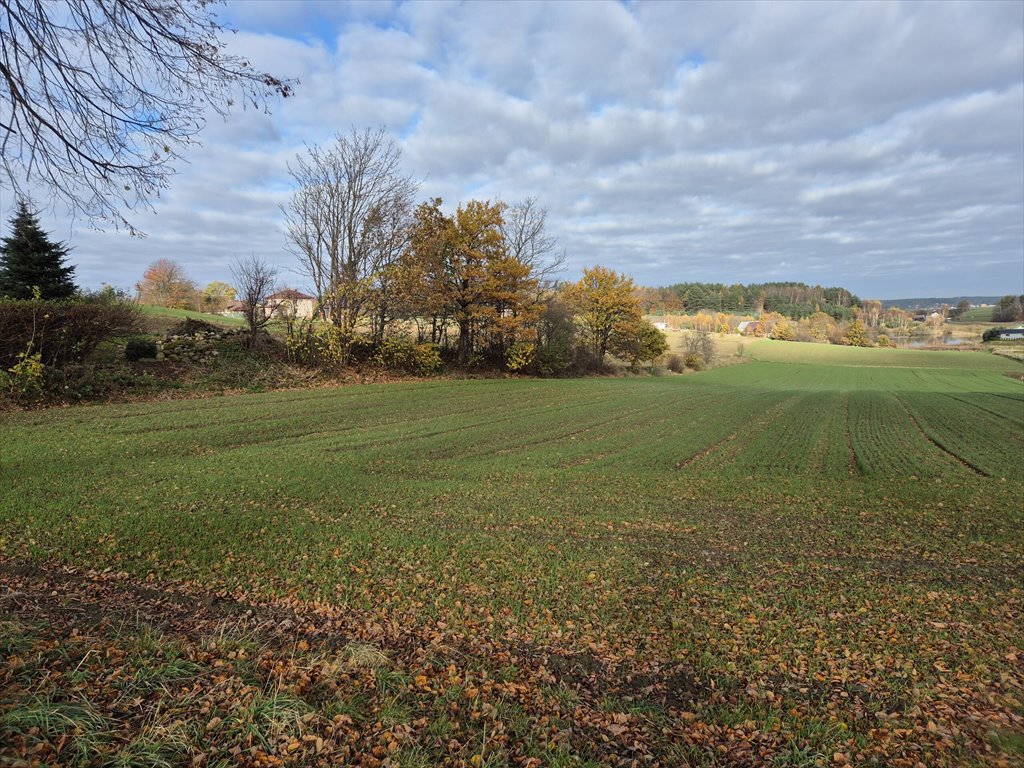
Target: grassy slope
<point>977,314</point>
<point>835,531</point>
<point>164,317</point>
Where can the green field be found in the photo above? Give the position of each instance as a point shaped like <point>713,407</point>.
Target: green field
<point>813,558</point>
<point>977,315</point>
<point>166,316</point>
<point>831,355</point>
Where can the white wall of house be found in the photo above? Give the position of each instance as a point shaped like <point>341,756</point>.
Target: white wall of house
<point>300,308</point>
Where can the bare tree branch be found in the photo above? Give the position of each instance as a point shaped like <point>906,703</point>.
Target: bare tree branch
<point>98,98</point>
<point>254,282</point>
<point>525,232</point>
<point>347,221</point>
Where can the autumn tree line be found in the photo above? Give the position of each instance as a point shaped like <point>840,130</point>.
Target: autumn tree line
<point>409,284</point>
<point>793,311</point>
<point>865,326</point>
<point>165,284</point>
<point>474,287</point>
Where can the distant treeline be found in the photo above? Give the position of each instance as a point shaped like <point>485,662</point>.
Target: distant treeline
<point>793,300</point>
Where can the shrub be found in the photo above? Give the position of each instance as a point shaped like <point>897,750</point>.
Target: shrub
<point>554,359</point>
<point>108,294</point>
<point>24,380</point>
<point>139,348</point>
<point>520,356</point>
<point>426,358</point>
<point>699,345</point>
<point>394,352</point>
<point>783,331</point>
<point>75,383</point>
<point>191,326</point>
<point>362,350</point>
<point>319,345</point>
<point>675,363</point>
<point>856,335</point>
<point>403,354</point>
<point>59,332</point>
<point>694,361</point>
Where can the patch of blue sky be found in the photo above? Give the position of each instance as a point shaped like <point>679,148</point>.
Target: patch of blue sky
<point>316,21</point>
<point>410,127</point>
<point>147,122</point>
<point>692,60</point>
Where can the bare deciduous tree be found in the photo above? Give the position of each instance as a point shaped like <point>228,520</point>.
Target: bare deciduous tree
<point>254,281</point>
<point>347,221</point>
<point>528,241</point>
<point>98,97</point>
<point>701,344</point>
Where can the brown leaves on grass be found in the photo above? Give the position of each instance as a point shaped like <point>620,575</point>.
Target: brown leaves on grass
<point>99,667</point>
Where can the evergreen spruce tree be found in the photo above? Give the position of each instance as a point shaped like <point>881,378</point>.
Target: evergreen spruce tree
<point>28,260</point>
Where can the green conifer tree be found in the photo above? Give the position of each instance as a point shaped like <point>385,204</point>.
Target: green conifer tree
<point>28,260</point>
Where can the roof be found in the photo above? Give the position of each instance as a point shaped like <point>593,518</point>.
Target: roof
<point>288,294</point>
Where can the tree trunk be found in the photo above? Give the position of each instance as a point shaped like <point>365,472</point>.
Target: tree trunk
<point>465,349</point>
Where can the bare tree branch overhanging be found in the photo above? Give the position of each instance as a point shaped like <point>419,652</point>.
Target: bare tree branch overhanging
<point>98,98</point>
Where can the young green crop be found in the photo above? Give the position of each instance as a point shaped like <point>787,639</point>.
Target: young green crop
<point>841,534</point>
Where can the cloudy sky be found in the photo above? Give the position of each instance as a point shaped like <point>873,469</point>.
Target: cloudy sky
<point>877,146</point>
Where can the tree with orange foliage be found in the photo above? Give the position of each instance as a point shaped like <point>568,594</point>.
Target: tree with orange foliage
<point>164,284</point>
<point>821,327</point>
<point>459,267</point>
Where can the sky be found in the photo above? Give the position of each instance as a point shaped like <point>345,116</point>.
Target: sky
<point>875,146</point>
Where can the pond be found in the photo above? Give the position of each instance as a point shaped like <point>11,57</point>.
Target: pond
<point>947,341</point>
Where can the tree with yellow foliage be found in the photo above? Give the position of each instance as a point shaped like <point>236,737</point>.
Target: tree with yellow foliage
<point>602,300</point>
<point>856,335</point>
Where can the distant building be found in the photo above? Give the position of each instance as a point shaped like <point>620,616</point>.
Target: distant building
<point>1008,334</point>
<point>290,302</point>
<point>661,326</point>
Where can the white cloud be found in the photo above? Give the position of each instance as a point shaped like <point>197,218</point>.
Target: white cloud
<point>854,143</point>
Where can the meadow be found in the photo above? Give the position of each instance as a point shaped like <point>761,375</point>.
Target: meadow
<point>159,319</point>
<point>977,315</point>
<point>812,558</point>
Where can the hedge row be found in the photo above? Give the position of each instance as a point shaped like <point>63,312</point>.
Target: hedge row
<point>61,332</point>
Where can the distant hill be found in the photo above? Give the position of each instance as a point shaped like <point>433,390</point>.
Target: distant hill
<point>938,302</point>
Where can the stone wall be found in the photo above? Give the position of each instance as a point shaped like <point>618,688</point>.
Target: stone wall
<point>200,347</point>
